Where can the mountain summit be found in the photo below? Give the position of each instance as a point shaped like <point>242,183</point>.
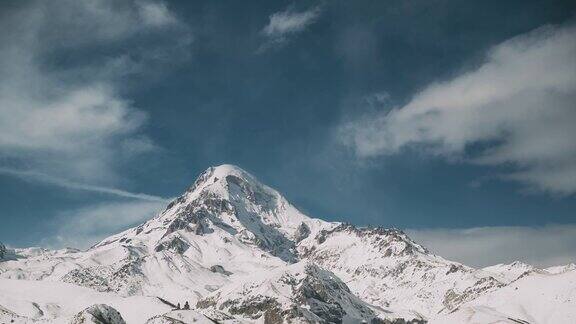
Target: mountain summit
<point>237,250</point>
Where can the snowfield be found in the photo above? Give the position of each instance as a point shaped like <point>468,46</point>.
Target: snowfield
<point>59,302</point>
<point>239,252</point>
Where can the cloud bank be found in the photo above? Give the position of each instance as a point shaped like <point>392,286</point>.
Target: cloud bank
<point>484,246</point>
<point>62,112</point>
<point>64,119</point>
<point>515,110</point>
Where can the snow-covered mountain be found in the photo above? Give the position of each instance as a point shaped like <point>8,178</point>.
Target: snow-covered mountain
<point>238,251</point>
<point>300,292</point>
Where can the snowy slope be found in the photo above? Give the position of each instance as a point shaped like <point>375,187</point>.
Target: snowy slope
<point>537,298</point>
<point>561,269</point>
<point>227,231</point>
<point>509,272</point>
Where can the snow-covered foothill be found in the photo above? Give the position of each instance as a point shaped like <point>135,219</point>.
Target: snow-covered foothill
<point>534,298</point>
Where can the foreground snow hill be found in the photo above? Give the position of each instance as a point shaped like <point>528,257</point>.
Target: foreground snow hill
<point>239,252</point>
<point>26,301</point>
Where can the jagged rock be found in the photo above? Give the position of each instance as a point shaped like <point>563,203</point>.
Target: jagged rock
<point>98,314</point>
<point>220,269</point>
<point>302,232</point>
<point>174,244</point>
<point>2,251</point>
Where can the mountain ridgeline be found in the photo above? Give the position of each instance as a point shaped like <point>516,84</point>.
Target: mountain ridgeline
<point>239,252</point>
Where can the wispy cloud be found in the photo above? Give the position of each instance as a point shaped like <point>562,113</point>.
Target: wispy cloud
<point>40,177</point>
<point>82,228</point>
<point>518,105</point>
<point>484,246</point>
<point>284,24</point>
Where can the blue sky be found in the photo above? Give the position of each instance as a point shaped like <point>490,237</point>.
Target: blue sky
<point>431,116</point>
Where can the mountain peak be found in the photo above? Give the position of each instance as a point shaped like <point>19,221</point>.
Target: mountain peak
<point>228,169</point>
<point>233,204</point>
<point>220,174</point>
<point>224,170</point>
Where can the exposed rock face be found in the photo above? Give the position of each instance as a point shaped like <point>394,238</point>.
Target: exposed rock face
<point>174,244</point>
<point>302,232</point>
<point>2,251</point>
<point>98,314</point>
<point>220,269</point>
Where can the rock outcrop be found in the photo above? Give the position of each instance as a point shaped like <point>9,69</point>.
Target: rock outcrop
<point>98,314</point>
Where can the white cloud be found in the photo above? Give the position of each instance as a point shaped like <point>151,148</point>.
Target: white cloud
<point>67,118</point>
<point>285,23</point>
<point>520,104</point>
<point>484,246</point>
<point>156,13</point>
<point>86,226</point>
